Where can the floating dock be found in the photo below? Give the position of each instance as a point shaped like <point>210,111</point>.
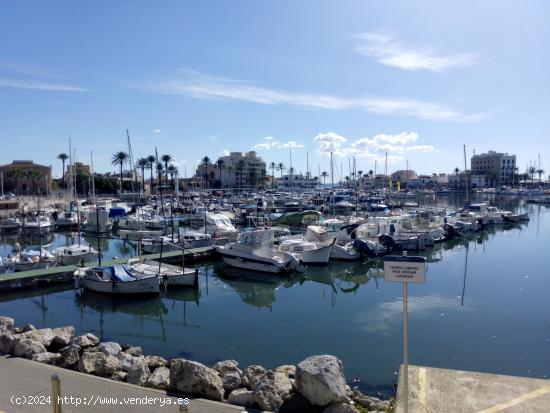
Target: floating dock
<point>64,273</point>
<point>434,390</point>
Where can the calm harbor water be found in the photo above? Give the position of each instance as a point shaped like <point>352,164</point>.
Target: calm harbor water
<point>485,307</point>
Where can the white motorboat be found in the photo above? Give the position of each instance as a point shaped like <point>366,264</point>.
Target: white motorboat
<point>309,252</point>
<point>219,226</point>
<point>169,275</point>
<point>345,252</point>
<point>139,234</point>
<point>190,239</point>
<point>67,219</point>
<point>98,221</point>
<point>254,251</point>
<point>74,254</point>
<point>118,279</point>
<point>10,224</point>
<point>37,224</point>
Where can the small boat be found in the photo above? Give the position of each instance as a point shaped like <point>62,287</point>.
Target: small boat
<point>36,224</point>
<point>309,253</point>
<point>66,220</point>
<point>74,254</point>
<point>119,279</point>
<point>254,251</point>
<point>345,252</point>
<point>190,239</point>
<point>10,224</point>
<point>169,275</point>
<point>98,221</point>
<point>32,259</point>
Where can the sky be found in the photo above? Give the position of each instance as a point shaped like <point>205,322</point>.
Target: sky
<point>416,80</point>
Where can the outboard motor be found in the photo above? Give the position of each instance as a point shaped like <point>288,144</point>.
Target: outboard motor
<point>364,248</point>
<point>387,241</point>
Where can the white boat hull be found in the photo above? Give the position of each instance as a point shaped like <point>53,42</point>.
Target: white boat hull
<point>319,256</point>
<point>149,285</point>
<point>342,253</point>
<point>253,262</point>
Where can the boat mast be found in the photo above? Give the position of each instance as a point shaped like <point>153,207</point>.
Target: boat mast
<point>132,167</point>
<point>332,180</point>
<point>466,175</point>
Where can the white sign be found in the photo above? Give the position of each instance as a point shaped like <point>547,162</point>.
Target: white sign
<point>405,269</point>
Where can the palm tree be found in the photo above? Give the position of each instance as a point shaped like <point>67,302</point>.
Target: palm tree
<point>272,165</point>
<point>63,157</point>
<point>206,161</point>
<point>281,167</point>
<point>540,172</point>
<point>172,170</point>
<point>159,174</point>
<point>324,174</point>
<point>151,159</point>
<point>346,178</point>
<point>166,159</point>
<point>142,163</point>
<point>291,171</point>
<point>532,171</point>
<point>220,163</point>
<point>359,173</point>
<point>34,176</point>
<point>120,159</point>
<point>456,170</point>
<point>371,173</point>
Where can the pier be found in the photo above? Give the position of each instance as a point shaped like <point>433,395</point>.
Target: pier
<point>65,273</point>
<point>433,390</point>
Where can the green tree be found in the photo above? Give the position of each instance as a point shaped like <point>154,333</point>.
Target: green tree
<point>172,170</point>
<point>63,157</point>
<point>120,159</point>
<point>540,172</point>
<point>206,161</point>
<point>142,163</point>
<point>272,165</point>
<point>166,159</point>
<point>532,171</point>
<point>281,167</point>
<point>151,160</point>
<point>324,175</point>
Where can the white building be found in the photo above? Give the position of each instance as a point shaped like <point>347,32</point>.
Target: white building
<point>242,170</point>
<point>499,168</point>
<point>296,183</point>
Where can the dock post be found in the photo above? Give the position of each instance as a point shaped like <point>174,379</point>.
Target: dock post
<point>56,393</point>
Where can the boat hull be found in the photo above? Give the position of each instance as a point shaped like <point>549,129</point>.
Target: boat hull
<point>149,285</point>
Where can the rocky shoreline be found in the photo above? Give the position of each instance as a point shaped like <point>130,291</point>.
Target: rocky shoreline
<point>316,384</point>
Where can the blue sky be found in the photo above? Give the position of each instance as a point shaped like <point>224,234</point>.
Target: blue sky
<point>194,78</point>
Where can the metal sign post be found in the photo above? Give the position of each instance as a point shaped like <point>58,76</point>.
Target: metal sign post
<point>405,269</point>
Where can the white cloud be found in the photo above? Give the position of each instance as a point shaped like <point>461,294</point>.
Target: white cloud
<point>373,148</point>
<point>225,152</point>
<point>387,51</point>
<point>273,143</point>
<point>34,85</point>
<point>157,130</point>
<point>202,86</point>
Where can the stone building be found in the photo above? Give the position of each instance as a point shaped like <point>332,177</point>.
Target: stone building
<point>26,178</point>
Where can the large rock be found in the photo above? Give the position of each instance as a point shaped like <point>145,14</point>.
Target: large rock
<point>26,347</point>
<point>106,366</point>
<point>139,371</point>
<point>320,379</point>
<point>6,342</point>
<point>134,351</point>
<point>195,379</point>
<point>110,348</point>
<point>295,402</point>
<point>266,394</point>
<point>338,407</point>
<point>251,375</point>
<point>7,322</point>
<point>288,370</point>
<point>160,379</point>
<point>62,336</point>
<point>43,336</point>
<point>85,340</point>
<point>225,366</point>
<point>369,402</point>
<point>28,327</point>
<point>70,356</point>
<point>242,397</point>
<point>154,362</point>
<point>231,381</point>
<point>283,384</point>
<point>47,357</point>
<point>88,360</point>
<point>126,361</point>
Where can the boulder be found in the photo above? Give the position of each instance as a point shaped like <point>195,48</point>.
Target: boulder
<point>195,379</point>
<point>110,348</point>
<point>7,322</point>
<point>252,373</point>
<point>225,366</point>
<point>106,366</point>
<point>283,384</point>
<point>62,336</point>
<point>126,361</point>
<point>265,393</point>
<point>242,397</point>
<point>28,327</point>
<point>154,362</point>
<point>88,360</point>
<point>119,376</point>
<point>139,371</point>
<point>231,381</point>
<point>160,379</point>
<point>6,343</point>
<point>43,335</point>
<point>85,340</point>
<point>320,379</point>
<point>288,370</point>
<point>369,402</point>
<point>70,356</point>
<point>26,347</point>
<point>134,351</point>
<point>295,402</point>
<point>47,357</point>
<point>339,407</point>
